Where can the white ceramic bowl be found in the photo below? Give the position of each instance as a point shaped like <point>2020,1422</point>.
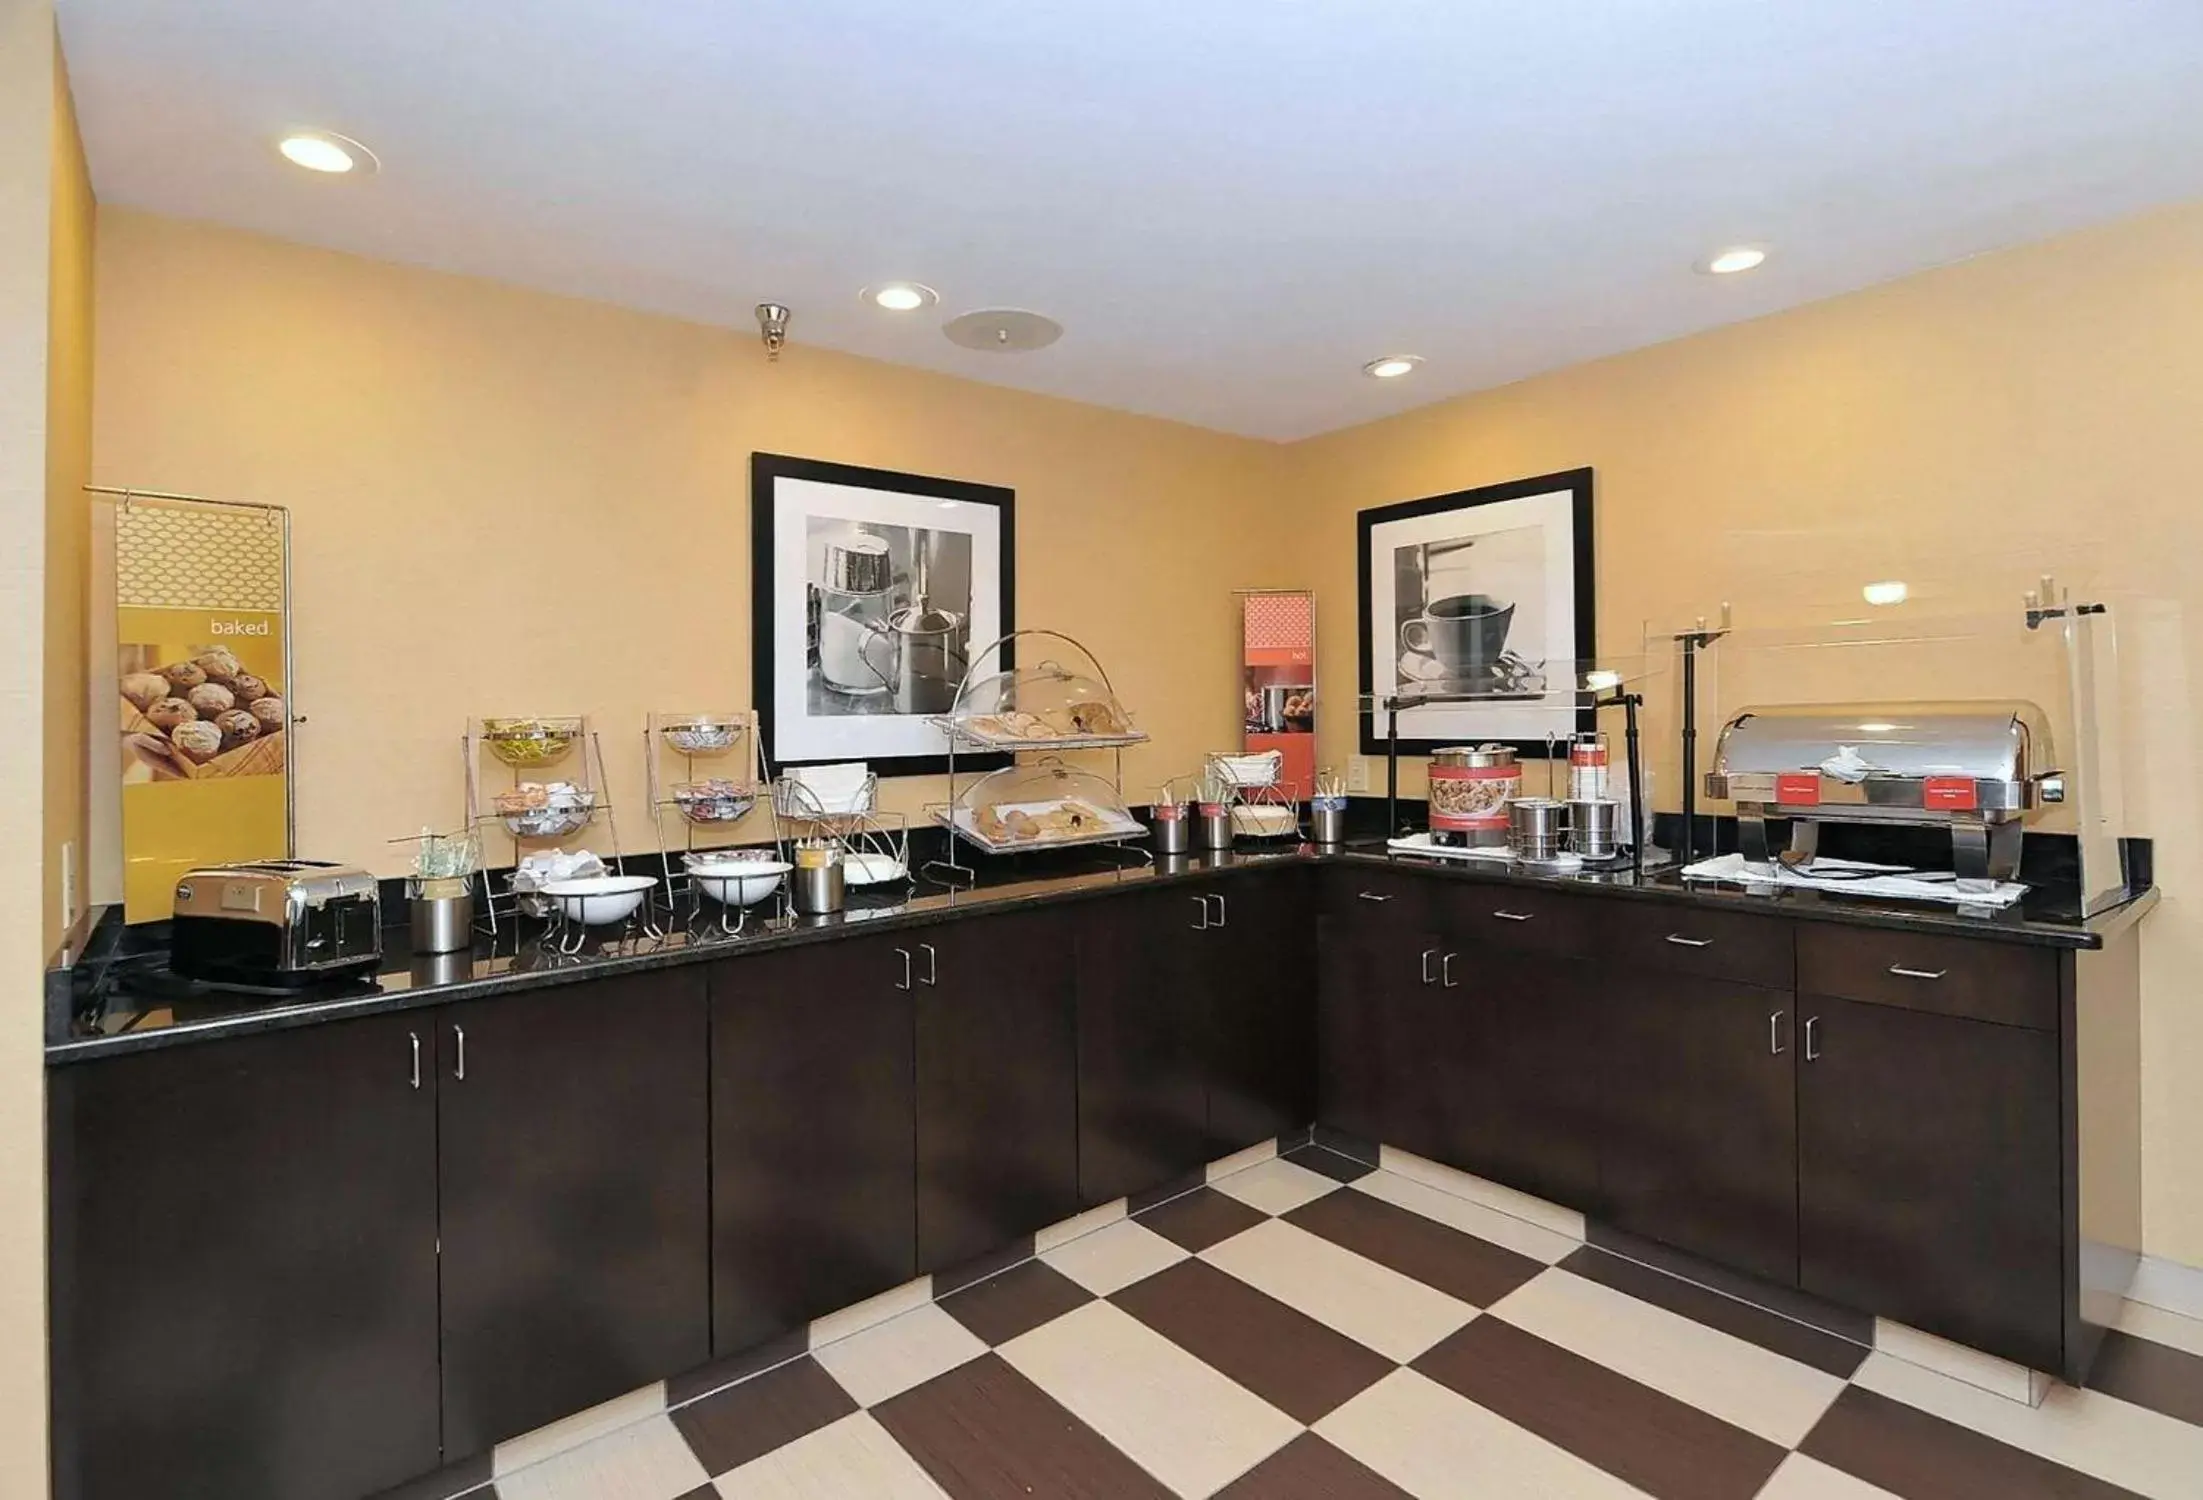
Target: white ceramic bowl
<point>736,882</point>
<point>872,869</point>
<point>600,900</point>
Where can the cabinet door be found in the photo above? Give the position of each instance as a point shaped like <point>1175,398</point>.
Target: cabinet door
<point>572,1147</point>
<point>997,1083</point>
<point>1144,993</point>
<point>1377,1007</point>
<point>812,1135</point>
<point>1261,973</point>
<point>1535,1108</point>
<point>1701,1148</point>
<point>244,1267</point>
<point>1928,1174</point>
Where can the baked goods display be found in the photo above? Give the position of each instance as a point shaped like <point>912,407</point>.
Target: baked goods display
<point>1040,705</point>
<point>1042,806</point>
<point>198,717</point>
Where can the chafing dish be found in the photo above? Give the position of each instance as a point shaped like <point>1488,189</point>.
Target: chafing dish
<point>1978,769</point>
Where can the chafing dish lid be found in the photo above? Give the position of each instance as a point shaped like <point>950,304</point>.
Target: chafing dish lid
<point>1989,741</point>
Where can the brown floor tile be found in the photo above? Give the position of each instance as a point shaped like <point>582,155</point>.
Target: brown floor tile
<point>1923,1457</point>
<point>1330,1163</point>
<point>1017,1301</point>
<point>1772,1331</point>
<point>1284,1356</point>
<point>2150,1374</point>
<point>1460,1265</point>
<point>956,1278</point>
<point>738,1424</point>
<point>1308,1468</point>
<point>1663,1446</point>
<point>1800,1307</point>
<point>1201,1218</point>
<point>705,1379</point>
<point>985,1432</point>
<point>1162,1192</point>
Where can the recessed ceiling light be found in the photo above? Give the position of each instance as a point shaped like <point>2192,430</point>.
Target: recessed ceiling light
<point>1891,592</point>
<point>1391,366</point>
<point>326,151</point>
<point>1732,260</point>
<point>901,296</point>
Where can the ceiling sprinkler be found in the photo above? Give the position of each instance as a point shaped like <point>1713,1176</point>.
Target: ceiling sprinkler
<point>772,322</point>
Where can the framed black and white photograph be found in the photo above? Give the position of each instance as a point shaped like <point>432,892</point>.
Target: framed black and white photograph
<point>1485,592</point>
<point>871,589</point>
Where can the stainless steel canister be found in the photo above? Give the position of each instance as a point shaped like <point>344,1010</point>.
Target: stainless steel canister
<point>1216,825</point>
<point>1327,820</point>
<point>1173,825</point>
<point>1594,826</point>
<point>443,924</point>
<point>815,885</point>
<point>1470,787</point>
<point>1537,827</point>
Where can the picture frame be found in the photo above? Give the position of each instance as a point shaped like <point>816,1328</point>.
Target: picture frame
<point>1488,591</point>
<point>870,590</point>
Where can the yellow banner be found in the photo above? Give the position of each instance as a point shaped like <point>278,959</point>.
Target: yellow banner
<point>204,718</point>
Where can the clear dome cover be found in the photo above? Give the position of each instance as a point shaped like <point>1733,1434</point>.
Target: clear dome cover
<point>1039,703</point>
<point>1044,805</point>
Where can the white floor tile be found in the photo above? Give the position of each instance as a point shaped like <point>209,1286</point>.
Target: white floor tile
<point>1802,1478</point>
<point>862,1315</point>
<point>2154,1323</point>
<point>1739,1382</point>
<point>1562,1221</point>
<point>1393,1314</point>
<point>647,1461</point>
<point>1239,1161</point>
<point>889,1358</point>
<point>1276,1186</point>
<point>582,1427</point>
<point>852,1457</point>
<point>1175,1416</point>
<point>1111,1259</point>
<point>1438,1446</point>
<point>1081,1224</point>
<point>1997,1376</point>
<point>2086,1430</point>
<point>1504,1230</point>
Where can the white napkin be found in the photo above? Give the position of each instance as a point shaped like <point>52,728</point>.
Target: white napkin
<point>1848,765</point>
<point>1850,877</point>
<point>834,789</point>
<point>540,867</point>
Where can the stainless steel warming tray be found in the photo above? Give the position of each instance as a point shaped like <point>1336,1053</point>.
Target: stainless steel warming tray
<point>1976,768</point>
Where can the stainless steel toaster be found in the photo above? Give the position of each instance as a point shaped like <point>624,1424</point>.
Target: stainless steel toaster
<point>1976,768</point>
<point>277,923</point>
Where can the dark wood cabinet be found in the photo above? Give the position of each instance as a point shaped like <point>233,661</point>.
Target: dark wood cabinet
<point>1144,1000</point>
<point>997,1080</point>
<point>1929,1173</point>
<point>244,1267</point>
<point>812,1156</point>
<point>1259,975</point>
<point>1534,1042</point>
<point>573,1191</point>
<point>1377,1012</point>
<point>1700,1150</point>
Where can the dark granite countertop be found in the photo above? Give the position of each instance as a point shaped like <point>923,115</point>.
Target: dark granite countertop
<point>127,1001</point>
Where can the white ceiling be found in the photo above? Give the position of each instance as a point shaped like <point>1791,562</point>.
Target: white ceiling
<point>1230,204</point>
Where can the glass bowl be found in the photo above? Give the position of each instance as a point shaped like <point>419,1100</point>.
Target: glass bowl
<point>531,811</point>
<point>714,801</point>
<point>702,736</point>
<point>530,744</point>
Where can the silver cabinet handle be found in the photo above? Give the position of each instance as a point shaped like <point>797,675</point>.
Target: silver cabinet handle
<point>1812,1053</point>
<point>460,1070</point>
<point>1371,896</point>
<point>904,955</point>
<point>1904,973</point>
<point>1428,955</point>
<point>933,965</point>
<point>1774,1034</point>
<point>1222,919</point>
<point>1681,941</point>
<point>1445,971</point>
<point>1203,903</point>
<point>416,1036</point>
<point>1514,916</point>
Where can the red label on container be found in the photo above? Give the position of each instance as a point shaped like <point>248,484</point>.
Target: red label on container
<point>1798,789</point>
<point>1950,793</point>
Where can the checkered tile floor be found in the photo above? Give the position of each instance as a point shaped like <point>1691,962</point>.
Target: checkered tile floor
<point>1309,1329</point>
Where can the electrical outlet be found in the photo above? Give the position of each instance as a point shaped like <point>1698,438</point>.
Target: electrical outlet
<point>68,884</point>
<point>1357,773</point>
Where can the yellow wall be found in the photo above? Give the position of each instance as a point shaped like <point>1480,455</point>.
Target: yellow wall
<point>1961,430</point>
<point>507,502</point>
<point>33,111</point>
<point>68,466</point>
